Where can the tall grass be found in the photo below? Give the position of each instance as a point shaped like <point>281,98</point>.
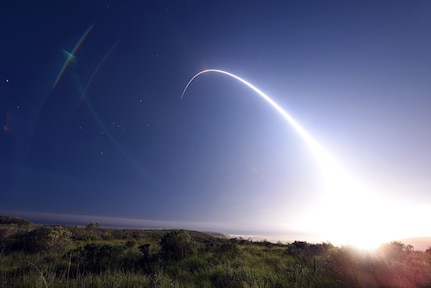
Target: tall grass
<point>95,257</point>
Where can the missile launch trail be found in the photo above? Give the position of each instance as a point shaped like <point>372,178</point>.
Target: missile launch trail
<point>318,150</point>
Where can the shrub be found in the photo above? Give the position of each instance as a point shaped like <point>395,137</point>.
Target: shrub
<point>100,257</point>
<point>52,239</point>
<point>228,249</point>
<point>177,245</point>
<point>14,220</point>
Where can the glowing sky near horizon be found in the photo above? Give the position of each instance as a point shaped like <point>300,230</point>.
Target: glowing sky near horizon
<point>354,75</point>
<point>351,214</point>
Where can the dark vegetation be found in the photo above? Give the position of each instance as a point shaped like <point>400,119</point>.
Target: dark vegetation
<point>56,256</point>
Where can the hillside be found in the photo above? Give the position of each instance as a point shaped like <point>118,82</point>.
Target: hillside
<point>91,256</point>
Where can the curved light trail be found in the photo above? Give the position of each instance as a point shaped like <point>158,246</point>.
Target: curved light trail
<point>320,153</point>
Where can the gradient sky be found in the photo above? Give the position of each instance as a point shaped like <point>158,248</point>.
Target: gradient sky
<point>92,121</point>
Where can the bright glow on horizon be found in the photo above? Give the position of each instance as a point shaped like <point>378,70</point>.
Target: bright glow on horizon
<point>231,229</point>
<point>349,213</point>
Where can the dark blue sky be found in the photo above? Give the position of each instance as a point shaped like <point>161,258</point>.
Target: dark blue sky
<point>112,138</point>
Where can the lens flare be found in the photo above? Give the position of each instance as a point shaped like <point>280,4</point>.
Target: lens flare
<point>107,55</point>
<point>71,55</point>
<point>348,213</point>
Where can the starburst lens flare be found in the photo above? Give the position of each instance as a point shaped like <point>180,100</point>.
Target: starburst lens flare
<point>71,55</point>
<point>347,213</point>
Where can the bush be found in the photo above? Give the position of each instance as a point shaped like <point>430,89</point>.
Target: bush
<point>51,239</point>
<point>7,220</point>
<point>177,245</point>
<point>100,257</point>
<point>228,249</point>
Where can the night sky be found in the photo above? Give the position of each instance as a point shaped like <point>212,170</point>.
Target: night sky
<point>93,126</point>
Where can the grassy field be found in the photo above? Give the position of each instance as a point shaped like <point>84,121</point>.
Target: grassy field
<point>56,256</point>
